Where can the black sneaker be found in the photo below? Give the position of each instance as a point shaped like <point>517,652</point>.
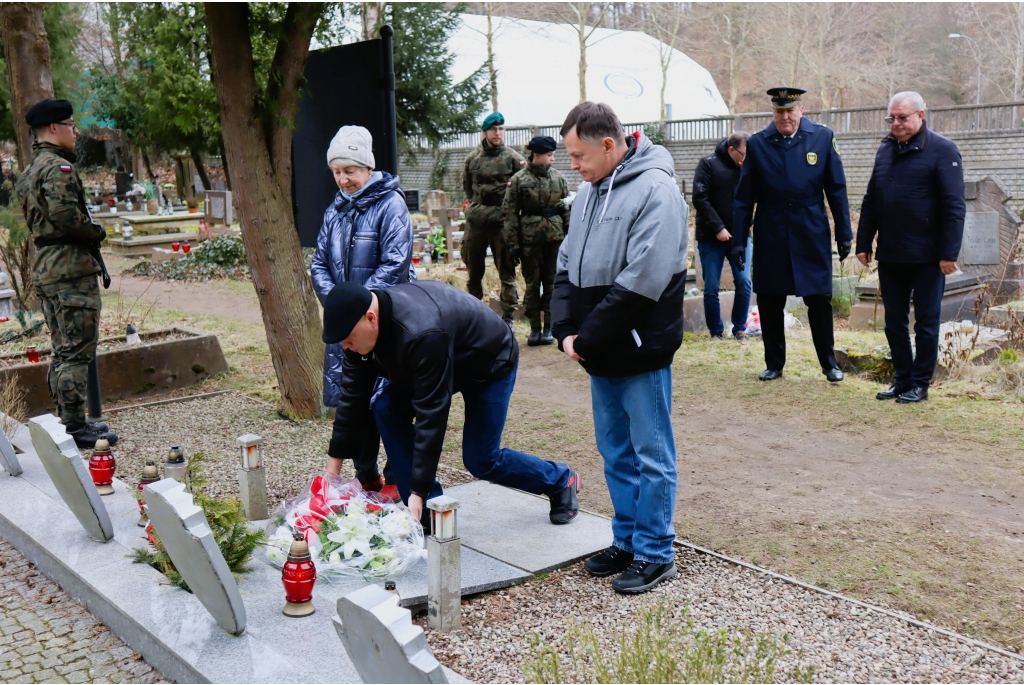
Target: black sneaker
<point>565,503</point>
<point>534,338</point>
<point>642,576</point>
<point>609,562</point>
<point>86,435</point>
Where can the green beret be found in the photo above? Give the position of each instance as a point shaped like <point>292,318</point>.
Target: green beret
<point>493,119</point>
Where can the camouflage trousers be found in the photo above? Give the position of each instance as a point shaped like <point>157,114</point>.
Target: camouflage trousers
<point>474,249</point>
<point>538,267</point>
<point>72,311</point>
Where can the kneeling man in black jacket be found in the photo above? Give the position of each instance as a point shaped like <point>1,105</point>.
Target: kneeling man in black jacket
<point>430,341</point>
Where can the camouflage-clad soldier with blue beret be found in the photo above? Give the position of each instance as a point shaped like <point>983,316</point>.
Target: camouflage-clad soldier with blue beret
<point>536,217</point>
<point>67,262</point>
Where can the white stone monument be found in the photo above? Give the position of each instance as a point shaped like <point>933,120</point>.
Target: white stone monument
<point>382,641</point>
<point>66,468</point>
<point>186,535</point>
<point>8,459</point>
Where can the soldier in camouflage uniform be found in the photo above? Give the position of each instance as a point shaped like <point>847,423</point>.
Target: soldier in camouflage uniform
<point>488,169</point>
<point>536,218</point>
<point>67,262</point>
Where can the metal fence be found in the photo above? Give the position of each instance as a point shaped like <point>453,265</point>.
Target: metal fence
<point>1004,116</point>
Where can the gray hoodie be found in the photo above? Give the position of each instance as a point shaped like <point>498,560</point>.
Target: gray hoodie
<point>622,267</point>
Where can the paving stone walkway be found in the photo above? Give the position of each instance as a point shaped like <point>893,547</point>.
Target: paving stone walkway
<point>47,637</point>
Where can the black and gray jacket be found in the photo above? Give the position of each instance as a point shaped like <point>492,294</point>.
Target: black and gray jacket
<point>621,271</point>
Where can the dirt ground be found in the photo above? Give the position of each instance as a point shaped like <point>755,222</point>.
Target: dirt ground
<point>915,507</point>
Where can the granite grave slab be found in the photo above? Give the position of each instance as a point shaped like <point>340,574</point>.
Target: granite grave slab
<point>63,462</point>
<point>8,459</point>
<point>186,535</point>
<point>506,524</point>
<point>382,641</point>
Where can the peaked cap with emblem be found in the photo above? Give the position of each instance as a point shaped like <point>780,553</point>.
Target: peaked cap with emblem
<point>785,98</point>
<point>46,112</point>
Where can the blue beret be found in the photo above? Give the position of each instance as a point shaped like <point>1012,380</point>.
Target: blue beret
<point>493,119</point>
<point>48,112</point>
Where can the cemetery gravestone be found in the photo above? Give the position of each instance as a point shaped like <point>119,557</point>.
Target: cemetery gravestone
<point>382,641</point>
<point>67,470</point>
<point>8,459</point>
<point>218,210</point>
<point>186,535</point>
<point>992,235</point>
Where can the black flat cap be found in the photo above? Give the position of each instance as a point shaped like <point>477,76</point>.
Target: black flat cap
<point>785,98</point>
<point>47,112</point>
<point>345,305</point>
<point>542,144</point>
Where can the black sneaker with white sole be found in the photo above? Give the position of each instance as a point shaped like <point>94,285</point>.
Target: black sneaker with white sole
<point>609,562</point>
<point>642,576</point>
<point>565,503</point>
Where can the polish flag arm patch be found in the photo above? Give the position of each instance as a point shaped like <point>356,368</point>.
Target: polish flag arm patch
<point>65,168</point>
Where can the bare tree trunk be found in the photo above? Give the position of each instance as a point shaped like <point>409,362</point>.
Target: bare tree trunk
<point>224,161</point>
<point>370,18</point>
<point>491,71</point>
<point>583,59</point>
<point>262,187</point>
<point>27,52</point>
<point>197,159</point>
<point>149,167</point>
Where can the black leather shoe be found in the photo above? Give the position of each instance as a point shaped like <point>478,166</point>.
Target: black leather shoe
<point>565,504</point>
<point>545,337</point>
<point>534,338</point>
<point>893,392</point>
<point>770,374</point>
<point>86,435</point>
<point>608,563</point>
<point>642,576</point>
<point>833,375</point>
<point>916,394</point>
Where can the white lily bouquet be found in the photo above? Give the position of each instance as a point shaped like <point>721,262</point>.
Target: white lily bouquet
<point>350,532</point>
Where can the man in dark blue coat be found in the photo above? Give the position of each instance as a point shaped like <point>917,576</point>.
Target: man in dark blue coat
<point>915,205</point>
<point>791,167</point>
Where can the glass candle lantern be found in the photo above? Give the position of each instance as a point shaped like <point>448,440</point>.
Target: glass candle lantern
<point>443,524</point>
<point>250,451</point>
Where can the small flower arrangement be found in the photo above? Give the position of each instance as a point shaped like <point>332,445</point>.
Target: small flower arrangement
<point>350,532</point>
<point>145,190</point>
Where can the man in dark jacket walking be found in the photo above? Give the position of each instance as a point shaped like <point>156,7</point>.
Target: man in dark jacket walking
<point>714,188</point>
<point>915,206</point>
<point>430,341</point>
<point>618,311</point>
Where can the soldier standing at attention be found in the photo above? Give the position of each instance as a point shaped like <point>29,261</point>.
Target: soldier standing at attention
<point>535,221</point>
<point>485,178</point>
<point>792,165</point>
<point>67,263</point>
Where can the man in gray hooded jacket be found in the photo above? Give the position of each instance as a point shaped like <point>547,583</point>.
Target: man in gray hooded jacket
<point>617,309</point>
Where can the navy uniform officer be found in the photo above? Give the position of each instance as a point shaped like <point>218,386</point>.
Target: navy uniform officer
<point>791,164</point>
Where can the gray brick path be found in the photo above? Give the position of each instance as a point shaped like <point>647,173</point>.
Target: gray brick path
<point>47,637</point>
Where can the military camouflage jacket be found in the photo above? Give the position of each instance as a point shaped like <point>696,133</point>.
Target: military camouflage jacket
<point>53,200</point>
<point>488,169</point>
<point>534,211</point>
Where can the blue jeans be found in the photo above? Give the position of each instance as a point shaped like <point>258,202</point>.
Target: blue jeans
<point>486,408</point>
<point>633,427</point>
<point>713,254</point>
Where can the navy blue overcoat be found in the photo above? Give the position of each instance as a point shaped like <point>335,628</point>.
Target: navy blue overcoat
<point>788,182</point>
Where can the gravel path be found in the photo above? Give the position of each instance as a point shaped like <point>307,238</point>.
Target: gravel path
<point>45,636</point>
<point>843,642</point>
<point>293,451</point>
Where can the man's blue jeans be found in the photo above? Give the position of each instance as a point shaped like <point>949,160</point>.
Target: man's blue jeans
<point>633,427</point>
<point>486,408</point>
<point>713,254</point>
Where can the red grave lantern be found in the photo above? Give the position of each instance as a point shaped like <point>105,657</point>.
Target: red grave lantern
<point>175,245</point>
<point>185,247</point>
<point>299,577</point>
<point>33,355</point>
<point>150,474</point>
<point>101,467</point>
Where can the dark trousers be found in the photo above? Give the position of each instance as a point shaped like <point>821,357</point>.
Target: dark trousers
<point>369,450</point>
<point>478,237</point>
<point>482,453</point>
<point>538,266</point>
<point>773,329</point>
<point>925,284</point>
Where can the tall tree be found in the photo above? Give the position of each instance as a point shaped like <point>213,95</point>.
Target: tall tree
<point>27,53</point>
<point>257,112</point>
<point>664,21</point>
<point>584,18</point>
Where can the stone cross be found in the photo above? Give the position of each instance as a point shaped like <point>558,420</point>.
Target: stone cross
<point>66,468</point>
<point>186,535</point>
<point>8,459</point>
<point>382,641</point>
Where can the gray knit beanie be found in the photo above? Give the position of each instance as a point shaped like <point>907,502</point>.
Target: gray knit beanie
<point>352,145</point>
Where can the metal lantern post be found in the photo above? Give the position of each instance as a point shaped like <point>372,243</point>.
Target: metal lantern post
<point>252,477</point>
<point>444,565</point>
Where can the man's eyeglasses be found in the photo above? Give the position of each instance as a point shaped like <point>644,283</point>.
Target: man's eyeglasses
<point>64,123</point>
<point>902,118</point>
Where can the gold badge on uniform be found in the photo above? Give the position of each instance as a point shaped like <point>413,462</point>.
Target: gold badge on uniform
<point>812,158</point>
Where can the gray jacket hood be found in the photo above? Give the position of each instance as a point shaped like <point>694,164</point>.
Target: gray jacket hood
<point>643,155</point>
